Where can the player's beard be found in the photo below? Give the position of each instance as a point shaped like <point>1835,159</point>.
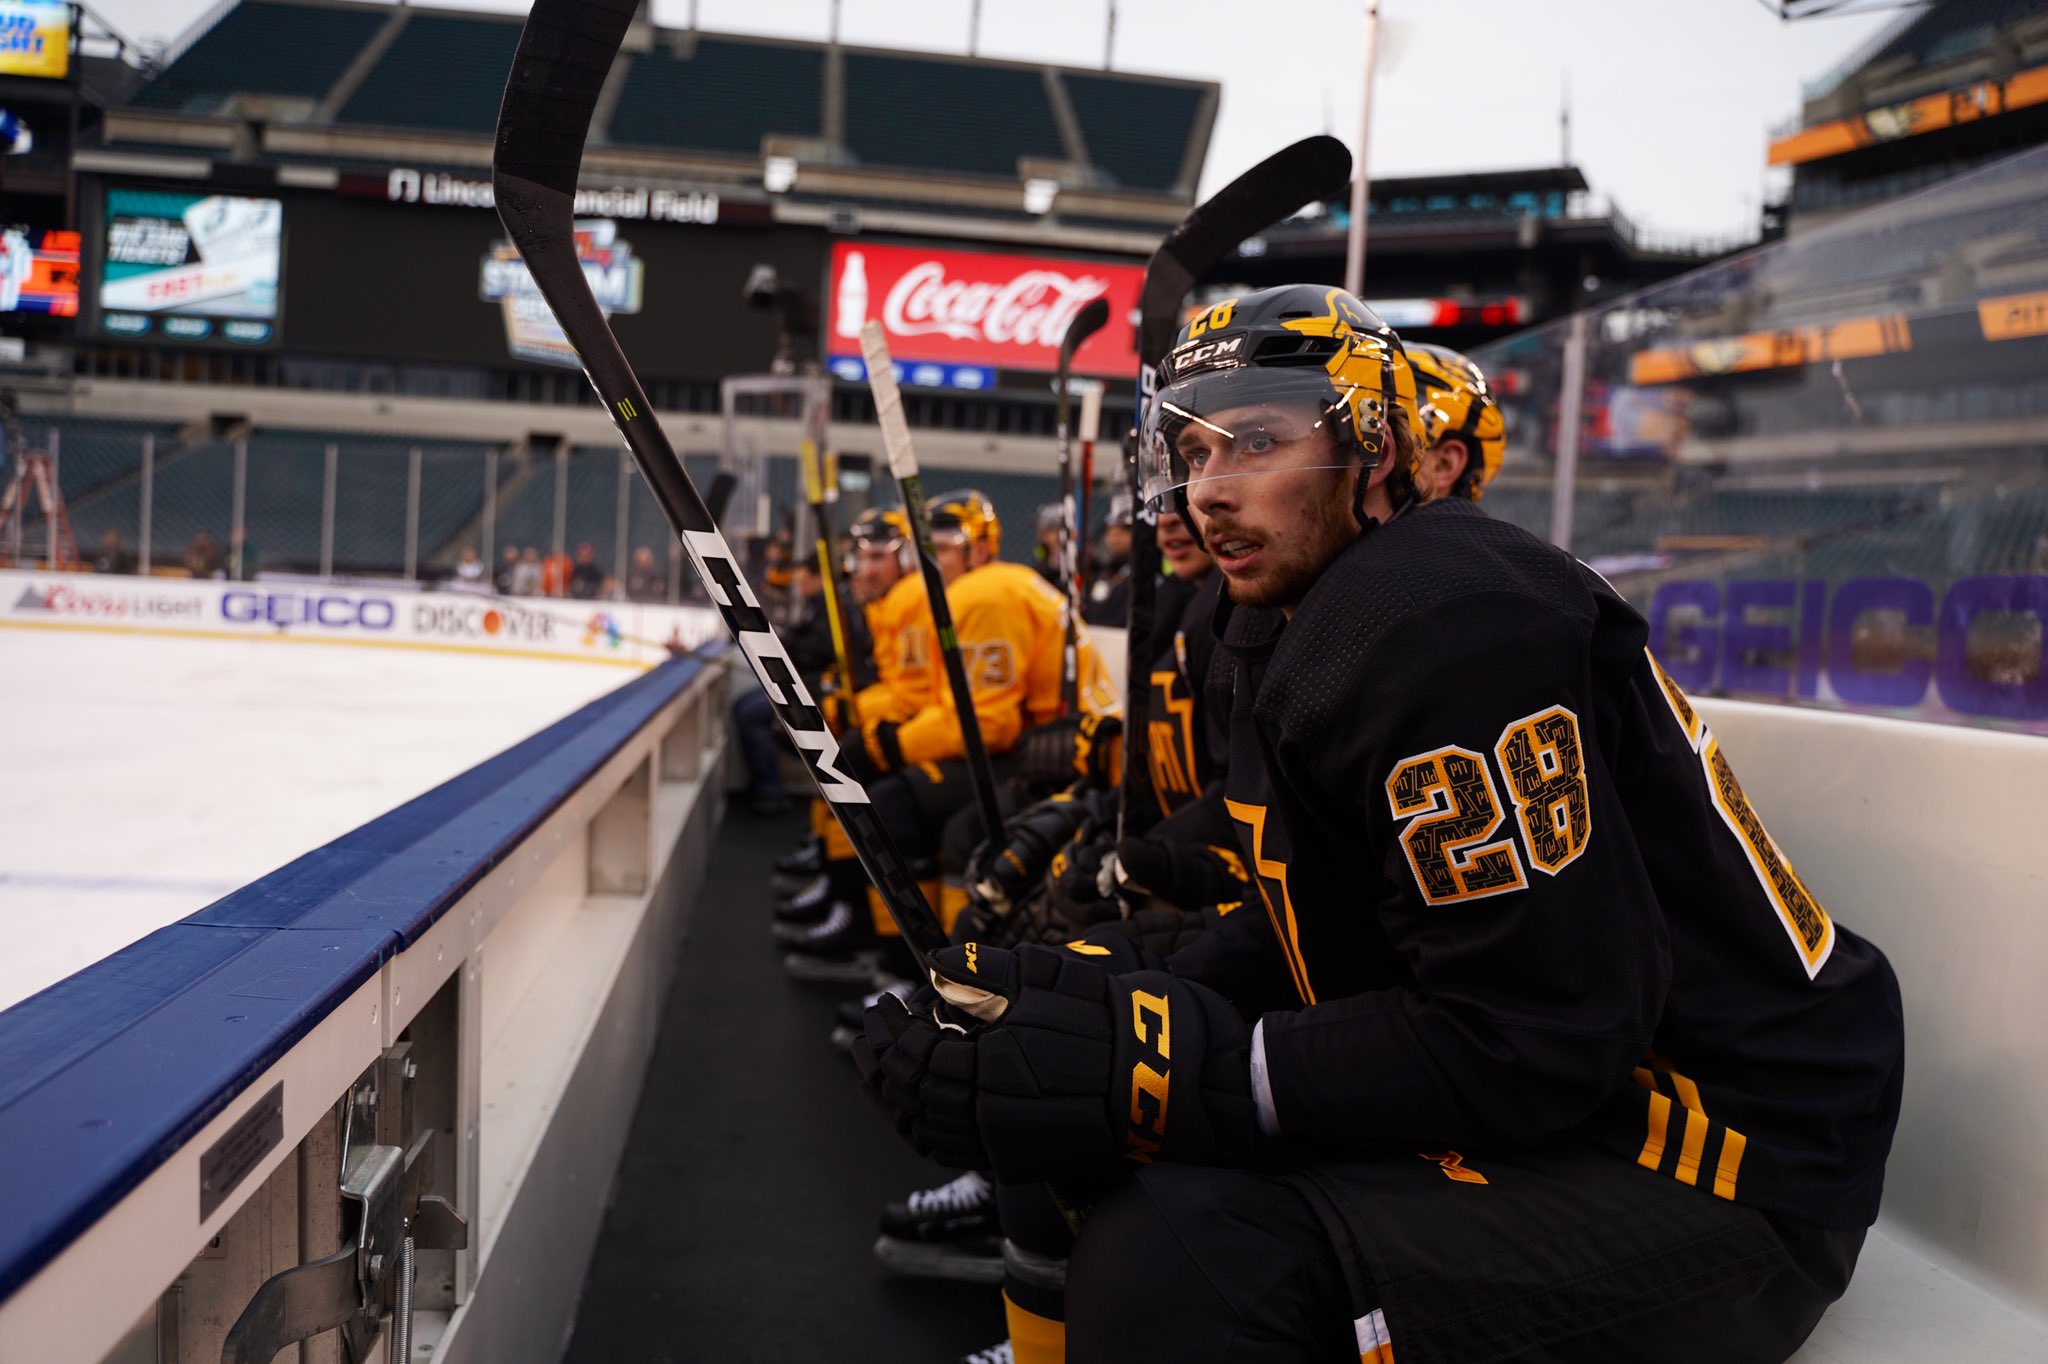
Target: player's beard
<point>1317,530</point>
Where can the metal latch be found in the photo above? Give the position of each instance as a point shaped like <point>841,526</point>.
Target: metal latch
<point>387,1216</point>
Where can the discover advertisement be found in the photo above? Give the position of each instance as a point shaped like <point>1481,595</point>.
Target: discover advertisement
<point>191,267</point>
<point>973,308</point>
<point>624,634</point>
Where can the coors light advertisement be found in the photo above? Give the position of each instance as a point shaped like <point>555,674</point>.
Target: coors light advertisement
<point>977,308</point>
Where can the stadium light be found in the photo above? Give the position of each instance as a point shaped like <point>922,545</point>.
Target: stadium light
<point>1039,194</point>
<point>778,173</point>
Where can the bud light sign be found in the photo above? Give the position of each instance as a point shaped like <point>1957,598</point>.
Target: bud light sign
<point>968,308</point>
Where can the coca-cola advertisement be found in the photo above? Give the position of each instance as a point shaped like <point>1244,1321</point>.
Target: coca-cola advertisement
<point>978,308</point>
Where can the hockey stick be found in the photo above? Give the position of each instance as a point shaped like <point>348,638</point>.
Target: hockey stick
<point>1086,323</point>
<point>1091,425</point>
<point>820,491</point>
<point>722,485</point>
<point>1255,200</point>
<point>564,53</point>
<point>874,350</point>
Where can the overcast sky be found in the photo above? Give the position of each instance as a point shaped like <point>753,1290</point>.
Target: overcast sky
<point>1671,100</point>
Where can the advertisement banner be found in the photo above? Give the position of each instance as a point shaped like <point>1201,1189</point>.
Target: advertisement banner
<point>617,279</point>
<point>976,308</point>
<point>626,634</point>
<point>38,272</point>
<point>191,267</point>
<point>35,38</point>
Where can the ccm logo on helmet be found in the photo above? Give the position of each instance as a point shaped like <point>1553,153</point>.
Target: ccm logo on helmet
<point>757,639</point>
<point>1206,353</point>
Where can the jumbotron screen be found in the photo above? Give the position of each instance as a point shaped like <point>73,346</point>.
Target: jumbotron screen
<point>191,267</point>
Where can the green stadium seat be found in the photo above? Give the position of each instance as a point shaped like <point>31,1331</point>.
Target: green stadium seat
<point>259,48</point>
<point>1136,131</point>
<point>442,72</point>
<point>947,115</point>
<point>725,97</point>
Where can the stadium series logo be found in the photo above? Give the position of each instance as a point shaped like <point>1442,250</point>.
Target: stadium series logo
<point>531,332</point>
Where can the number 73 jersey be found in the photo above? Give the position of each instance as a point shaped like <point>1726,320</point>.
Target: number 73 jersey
<point>1517,890</point>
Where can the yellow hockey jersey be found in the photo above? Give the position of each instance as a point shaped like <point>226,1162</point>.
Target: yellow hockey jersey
<point>1010,623</point>
<point>900,626</point>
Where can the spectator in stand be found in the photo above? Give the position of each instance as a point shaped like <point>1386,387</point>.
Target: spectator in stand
<point>1109,587</point>
<point>113,556</point>
<point>644,580</point>
<point>508,572</point>
<point>1045,555</point>
<point>554,575</point>
<point>244,559</point>
<point>587,577</point>
<point>469,571</point>
<point>612,589</point>
<point>203,559</point>
<point>526,577</point>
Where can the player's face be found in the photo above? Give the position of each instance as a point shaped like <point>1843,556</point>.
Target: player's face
<point>954,555</point>
<point>1178,548</point>
<point>876,567</point>
<point>1269,503</point>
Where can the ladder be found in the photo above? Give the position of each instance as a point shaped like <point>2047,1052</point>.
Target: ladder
<point>35,473</point>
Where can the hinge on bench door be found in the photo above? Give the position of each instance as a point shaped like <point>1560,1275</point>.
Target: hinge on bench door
<point>386,1215</point>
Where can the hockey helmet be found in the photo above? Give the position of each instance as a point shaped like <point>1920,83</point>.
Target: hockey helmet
<point>1455,402</point>
<point>967,514</point>
<point>1119,513</point>
<point>885,528</point>
<point>1282,366</point>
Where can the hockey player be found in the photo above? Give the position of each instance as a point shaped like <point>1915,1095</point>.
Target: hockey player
<point>1009,624</point>
<point>899,621</point>
<point>1463,436</point>
<point>1539,1049</point>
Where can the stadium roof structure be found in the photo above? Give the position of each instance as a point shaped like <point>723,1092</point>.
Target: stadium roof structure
<point>357,83</point>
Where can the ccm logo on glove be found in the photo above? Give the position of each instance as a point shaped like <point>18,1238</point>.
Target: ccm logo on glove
<point>1152,1023</point>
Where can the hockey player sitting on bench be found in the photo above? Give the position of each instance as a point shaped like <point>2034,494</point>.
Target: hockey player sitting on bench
<point>1536,1047</point>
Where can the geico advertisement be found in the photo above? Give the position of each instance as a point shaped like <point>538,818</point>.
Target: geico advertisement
<point>618,633</point>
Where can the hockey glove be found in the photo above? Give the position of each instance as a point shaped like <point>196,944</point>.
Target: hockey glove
<point>1004,876</point>
<point>1186,875</point>
<point>1076,1067</point>
<point>1045,754</point>
<point>917,1072</point>
<point>872,753</point>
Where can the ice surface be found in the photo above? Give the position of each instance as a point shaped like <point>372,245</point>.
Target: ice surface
<point>146,777</point>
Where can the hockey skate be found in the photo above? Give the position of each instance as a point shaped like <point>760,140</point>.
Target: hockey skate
<point>851,1014</point>
<point>798,868</point>
<point>843,948</point>
<point>804,910</point>
<point>949,1232</point>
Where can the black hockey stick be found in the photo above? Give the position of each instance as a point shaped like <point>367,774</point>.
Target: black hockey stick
<point>564,54</point>
<point>874,350</point>
<point>722,485</point>
<point>1263,195</point>
<point>1086,323</point>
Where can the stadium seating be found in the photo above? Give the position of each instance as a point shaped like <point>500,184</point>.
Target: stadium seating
<point>725,96</point>
<point>971,119</point>
<point>442,72</point>
<point>260,48</point>
<point>95,451</point>
<point>1136,132</point>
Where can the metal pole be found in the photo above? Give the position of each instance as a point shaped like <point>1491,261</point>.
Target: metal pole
<point>490,529</point>
<point>238,501</point>
<point>561,496</point>
<point>143,545</point>
<point>626,472</point>
<point>1567,471</point>
<point>412,516</point>
<point>1361,180</point>
<point>54,442</point>
<point>1109,38</point>
<point>675,571</point>
<point>327,511</point>
<point>973,27</point>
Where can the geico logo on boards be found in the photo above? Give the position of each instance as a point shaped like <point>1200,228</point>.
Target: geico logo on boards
<point>329,610</point>
<point>65,600</point>
<point>483,620</point>
<point>1879,642</point>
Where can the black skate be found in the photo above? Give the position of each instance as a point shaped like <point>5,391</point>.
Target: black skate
<point>852,1022</point>
<point>797,914</point>
<point>994,1354</point>
<point>950,1232</point>
<point>795,870</point>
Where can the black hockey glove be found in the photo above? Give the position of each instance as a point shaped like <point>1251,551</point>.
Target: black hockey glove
<point>858,754</point>
<point>917,1072</point>
<point>1076,1067</point>
<point>1143,941</point>
<point>1187,875</point>
<point>1005,876</point>
<point>1074,900</point>
<point>1046,755</point>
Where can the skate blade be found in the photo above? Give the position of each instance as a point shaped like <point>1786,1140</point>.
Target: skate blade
<point>856,970</point>
<point>938,1262</point>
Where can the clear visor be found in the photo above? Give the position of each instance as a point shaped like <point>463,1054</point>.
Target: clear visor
<point>1236,423</point>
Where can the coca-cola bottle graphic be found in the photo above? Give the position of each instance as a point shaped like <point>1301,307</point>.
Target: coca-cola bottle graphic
<point>850,309</point>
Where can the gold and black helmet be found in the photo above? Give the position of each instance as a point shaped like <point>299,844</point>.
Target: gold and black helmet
<point>968,513</point>
<point>885,528</point>
<point>1275,366</point>
<point>1456,403</point>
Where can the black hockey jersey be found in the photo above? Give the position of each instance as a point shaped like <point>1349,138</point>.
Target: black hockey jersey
<point>1185,750</point>
<point>1515,888</point>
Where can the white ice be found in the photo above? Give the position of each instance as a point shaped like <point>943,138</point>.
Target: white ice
<point>146,777</point>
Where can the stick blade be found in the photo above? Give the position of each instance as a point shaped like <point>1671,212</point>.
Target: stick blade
<point>1090,320</point>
